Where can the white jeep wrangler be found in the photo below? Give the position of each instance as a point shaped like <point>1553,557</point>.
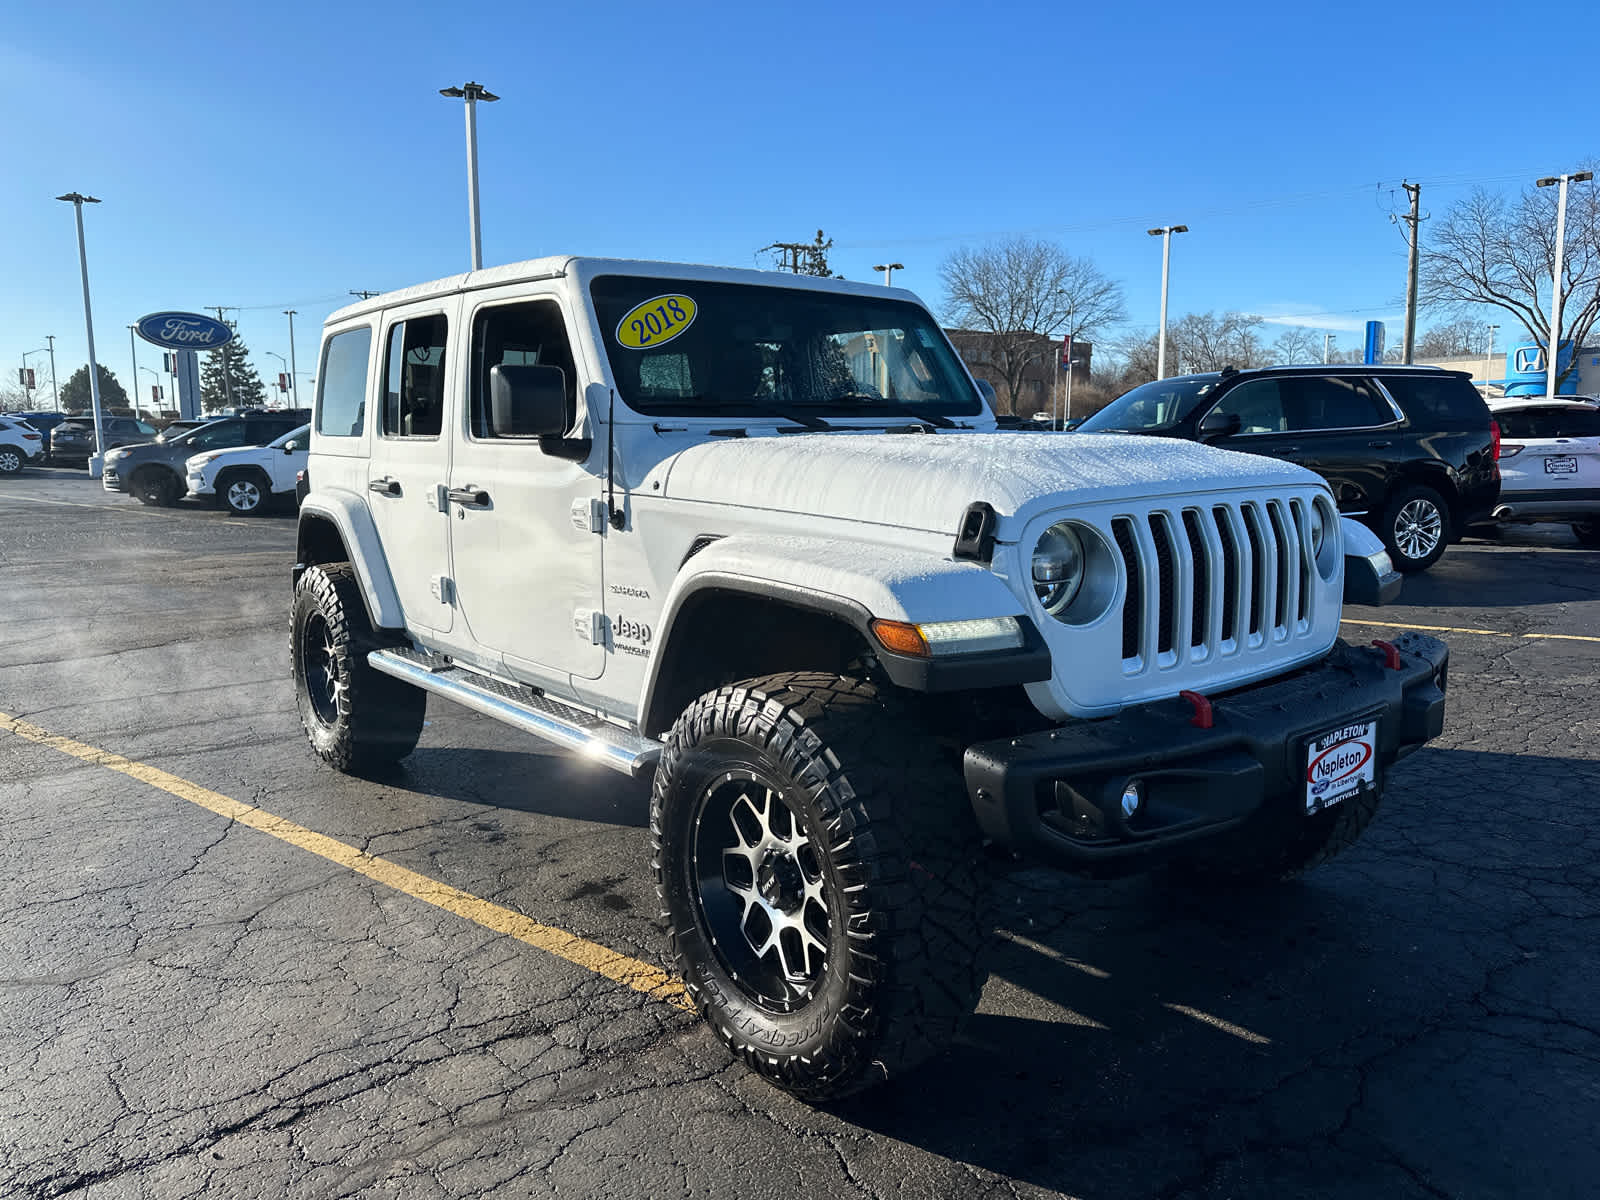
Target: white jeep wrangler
<point>759,535</point>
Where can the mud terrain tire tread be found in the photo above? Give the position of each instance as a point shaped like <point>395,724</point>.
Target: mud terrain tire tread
<point>901,836</point>
<point>379,717</point>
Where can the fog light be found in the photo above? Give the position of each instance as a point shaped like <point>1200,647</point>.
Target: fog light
<point>1132,798</point>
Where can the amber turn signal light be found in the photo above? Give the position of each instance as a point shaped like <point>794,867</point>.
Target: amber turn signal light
<point>902,638</point>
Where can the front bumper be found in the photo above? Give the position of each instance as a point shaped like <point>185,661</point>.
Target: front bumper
<point>1056,795</point>
<point>198,485</point>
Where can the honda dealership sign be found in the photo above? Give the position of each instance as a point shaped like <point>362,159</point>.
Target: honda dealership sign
<point>184,331</point>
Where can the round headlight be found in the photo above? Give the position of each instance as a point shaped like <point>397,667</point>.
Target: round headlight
<point>1057,568</point>
<point>1319,529</point>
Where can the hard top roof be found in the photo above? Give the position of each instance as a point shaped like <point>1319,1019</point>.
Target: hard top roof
<point>1327,369</point>
<point>585,269</point>
<point>1508,403</point>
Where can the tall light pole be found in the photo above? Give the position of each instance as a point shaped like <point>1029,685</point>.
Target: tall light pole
<point>1488,357</point>
<point>55,396</point>
<point>78,200</point>
<point>283,362</point>
<point>1165,234</point>
<point>1553,348</point>
<point>1327,346</point>
<point>888,270</point>
<point>133,351</point>
<point>472,93</point>
<point>155,404</point>
<point>294,378</point>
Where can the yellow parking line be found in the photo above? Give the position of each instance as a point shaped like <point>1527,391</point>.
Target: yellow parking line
<point>1548,637</point>
<point>640,976</point>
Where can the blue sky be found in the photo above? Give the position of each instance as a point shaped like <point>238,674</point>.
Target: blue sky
<point>278,156</point>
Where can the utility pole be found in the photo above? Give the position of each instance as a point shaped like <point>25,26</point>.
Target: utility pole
<point>294,379</point>
<point>1414,190</point>
<point>1553,342</point>
<point>363,295</point>
<point>1165,234</point>
<point>55,399</point>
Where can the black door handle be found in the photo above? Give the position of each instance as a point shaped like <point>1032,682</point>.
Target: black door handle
<point>384,486</point>
<point>470,497</point>
<point>1380,445</point>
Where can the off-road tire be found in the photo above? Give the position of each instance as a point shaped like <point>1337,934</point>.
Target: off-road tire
<point>898,856</point>
<point>155,486</point>
<point>1277,843</point>
<point>11,460</point>
<point>1587,532</point>
<point>357,719</point>
<point>1414,500</point>
<point>245,479</point>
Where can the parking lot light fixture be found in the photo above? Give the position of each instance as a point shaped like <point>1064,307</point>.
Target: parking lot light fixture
<point>1552,350</point>
<point>472,93</point>
<point>78,200</point>
<point>888,270</point>
<point>1165,234</point>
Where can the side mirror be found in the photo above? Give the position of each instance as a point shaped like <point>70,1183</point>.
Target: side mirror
<point>1219,425</point>
<point>291,446</point>
<point>986,390</point>
<point>528,401</point>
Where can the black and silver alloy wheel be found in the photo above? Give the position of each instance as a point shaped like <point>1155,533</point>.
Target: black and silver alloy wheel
<point>761,890</point>
<point>324,685</point>
<point>818,865</point>
<point>10,461</point>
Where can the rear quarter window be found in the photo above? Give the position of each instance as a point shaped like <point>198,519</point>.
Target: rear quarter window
<point>342,386</point>
<point>1447,400</point>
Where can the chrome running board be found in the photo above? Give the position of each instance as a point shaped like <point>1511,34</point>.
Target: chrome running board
<point>523,708</point>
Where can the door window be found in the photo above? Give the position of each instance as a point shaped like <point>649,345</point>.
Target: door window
<point>529,334</point>
<point>1332,402</point>
<point>342,386</point>
<point>413,394</point>
<point>1258,405</point>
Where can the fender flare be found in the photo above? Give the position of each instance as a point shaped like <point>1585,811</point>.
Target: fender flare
<point>855,585</point>
<point>347,513</point>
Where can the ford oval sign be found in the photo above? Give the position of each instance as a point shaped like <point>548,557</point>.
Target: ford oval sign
<point>184,331</point>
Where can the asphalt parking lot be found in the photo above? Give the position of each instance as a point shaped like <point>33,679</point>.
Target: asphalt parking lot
<point>220,975</point>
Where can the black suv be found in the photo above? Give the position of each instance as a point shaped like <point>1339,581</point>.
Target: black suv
<point>1411,451</point>
<point>154,472</point>
<point>73,439</point>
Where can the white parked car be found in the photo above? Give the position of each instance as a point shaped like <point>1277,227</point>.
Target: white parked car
<point>759,537</point>
<point>245,479</point>
<point>20,444</point>
<point>1550,462</point>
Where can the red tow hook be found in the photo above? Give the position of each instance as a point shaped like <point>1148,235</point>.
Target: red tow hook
<point>1391,654</point>
<point>1202,718</point>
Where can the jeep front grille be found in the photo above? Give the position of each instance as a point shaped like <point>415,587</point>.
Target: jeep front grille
<point>1208,581</point>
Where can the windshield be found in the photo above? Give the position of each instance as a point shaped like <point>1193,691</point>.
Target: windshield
<point>689,348</point>
<point>1152,406</point>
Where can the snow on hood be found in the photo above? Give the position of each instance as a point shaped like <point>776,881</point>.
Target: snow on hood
<point>927,481</point>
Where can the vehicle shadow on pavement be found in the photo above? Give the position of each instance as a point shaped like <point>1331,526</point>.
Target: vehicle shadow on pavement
<point>1478,576</point>
<point>1385,999</point>
<point>554,784</point>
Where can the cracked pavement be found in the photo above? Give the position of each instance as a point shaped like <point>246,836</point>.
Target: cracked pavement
<point>194,1009</point>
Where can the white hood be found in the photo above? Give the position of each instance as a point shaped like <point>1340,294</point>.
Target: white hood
<point>927,481</point>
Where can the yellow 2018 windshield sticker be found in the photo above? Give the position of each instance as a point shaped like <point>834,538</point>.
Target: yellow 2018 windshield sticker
<point>656,321</point>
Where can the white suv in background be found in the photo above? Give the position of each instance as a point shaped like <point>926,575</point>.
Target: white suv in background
<point>1550,462</point>
<point>246,478</point>
<point>20,444</point>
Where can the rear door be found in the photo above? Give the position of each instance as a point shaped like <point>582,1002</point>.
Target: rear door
<point>410,459</point>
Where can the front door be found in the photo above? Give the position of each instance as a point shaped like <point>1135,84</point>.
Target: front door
<point>527,564</point>
<point>409,462</point>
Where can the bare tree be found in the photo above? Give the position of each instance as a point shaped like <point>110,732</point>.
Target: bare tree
<point>1207,342</point>
<point>1021,295</point>
<point>1465,337</point>
<point>1486,250</point>
<point>1296,344</point>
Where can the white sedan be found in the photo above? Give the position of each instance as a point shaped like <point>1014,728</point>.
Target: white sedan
<point>246,479</point>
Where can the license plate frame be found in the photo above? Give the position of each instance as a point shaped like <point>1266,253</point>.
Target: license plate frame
<point>1338,761</point>
<point>1560,464</point>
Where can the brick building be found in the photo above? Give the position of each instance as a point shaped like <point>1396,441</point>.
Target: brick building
<point>977,350</point>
